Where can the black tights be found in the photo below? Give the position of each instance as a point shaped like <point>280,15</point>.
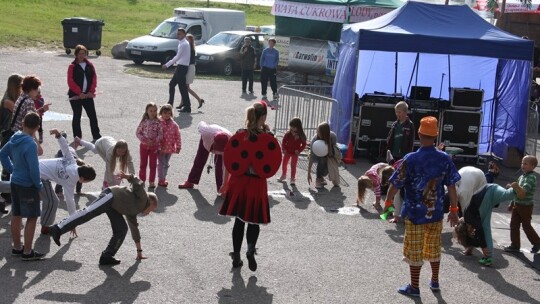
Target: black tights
<point>252,234</point>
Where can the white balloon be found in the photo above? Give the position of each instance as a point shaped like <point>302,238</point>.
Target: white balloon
<point>320,148</point>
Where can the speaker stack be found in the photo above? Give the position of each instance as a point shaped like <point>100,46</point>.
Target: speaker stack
<point>460,125</point>
<point>372,124</point>
<point>419,110</point>
<point>459,120</point>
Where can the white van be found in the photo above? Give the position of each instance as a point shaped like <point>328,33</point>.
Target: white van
<point>203,23</point>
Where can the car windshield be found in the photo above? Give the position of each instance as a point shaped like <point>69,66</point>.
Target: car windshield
<point>167,29</point>
<point>269,30</point>
<point>225,39</point>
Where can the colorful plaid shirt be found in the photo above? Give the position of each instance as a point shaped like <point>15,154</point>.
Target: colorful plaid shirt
<point>423,174</point>
<point>26,107</point>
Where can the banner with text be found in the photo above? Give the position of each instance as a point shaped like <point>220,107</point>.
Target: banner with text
<point>332,56</point>
<point>329,13</point>
<point>282,45</point>
<point>365,13</point>
<point>313,56</point>
<point>512,6</point>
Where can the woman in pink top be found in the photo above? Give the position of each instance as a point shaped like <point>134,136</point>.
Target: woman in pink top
<point>150,134</point>
<point>213,140</point>
<point>171,142</point>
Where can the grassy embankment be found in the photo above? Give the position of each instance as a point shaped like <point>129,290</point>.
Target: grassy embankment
<point>36,24</point>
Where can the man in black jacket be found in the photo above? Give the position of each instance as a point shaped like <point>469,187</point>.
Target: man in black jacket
<point>401,136</point>
<point>248,63</point>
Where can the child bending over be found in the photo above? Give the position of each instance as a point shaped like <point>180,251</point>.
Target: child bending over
<point>377,175</point>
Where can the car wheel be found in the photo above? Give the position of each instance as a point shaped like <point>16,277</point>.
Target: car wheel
<point>228,67</point>
<point>68,51</point>
<point>138,61</point>
<point>98,52</point>
<point>168,56</point>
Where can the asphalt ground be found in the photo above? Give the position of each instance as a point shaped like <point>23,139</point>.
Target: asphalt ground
<point>317,249</point>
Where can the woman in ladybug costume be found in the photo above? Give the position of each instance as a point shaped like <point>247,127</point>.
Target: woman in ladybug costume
<point>251,156</point>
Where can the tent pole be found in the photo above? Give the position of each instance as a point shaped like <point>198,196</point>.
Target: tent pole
<point>449,78</point>
<point>440,89</point>
<point>494,108</point>
<point>357,58</point>
<point>412,74</point>
<point>395,75</point>
<point>417,72</point>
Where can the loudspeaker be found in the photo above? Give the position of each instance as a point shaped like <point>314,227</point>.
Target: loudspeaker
<point>420,93</point>
<point>466,99</point>
<point>375,121</point>
<point>373,126</point>
<point>461,129</point>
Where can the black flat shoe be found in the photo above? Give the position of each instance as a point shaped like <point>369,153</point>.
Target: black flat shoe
<point>201,103</point>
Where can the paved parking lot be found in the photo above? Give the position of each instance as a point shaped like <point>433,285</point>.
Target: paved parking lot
<point>318,249</point>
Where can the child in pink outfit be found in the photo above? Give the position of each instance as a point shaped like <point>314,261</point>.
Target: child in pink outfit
<point>171,142</point>
<point>374,178</point>
<point>150,134</point>
<point>213,141</point>
<point>293,143</point>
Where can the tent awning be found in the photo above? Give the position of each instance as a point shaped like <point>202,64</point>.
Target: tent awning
<point>455,30</point>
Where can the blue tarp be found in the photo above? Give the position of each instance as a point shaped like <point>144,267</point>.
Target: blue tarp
<point>449,40</point>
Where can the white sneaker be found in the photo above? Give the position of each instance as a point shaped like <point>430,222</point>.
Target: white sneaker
<point>281,179</point>
<point>293,181</point>
<point>389,156</point>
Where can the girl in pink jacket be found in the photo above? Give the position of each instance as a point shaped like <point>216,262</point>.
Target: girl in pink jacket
<point>171,142</point>
<point>150,134</point>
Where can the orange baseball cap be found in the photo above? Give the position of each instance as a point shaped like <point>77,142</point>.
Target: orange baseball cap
<point>429,126</point>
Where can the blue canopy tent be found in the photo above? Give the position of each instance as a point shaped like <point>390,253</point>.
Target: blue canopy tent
<point>441,46</point>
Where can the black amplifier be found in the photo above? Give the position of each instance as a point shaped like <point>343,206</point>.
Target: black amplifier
<point>381,98</point>
<point>430,104</point>
<point>467,99</point>
<point>375,121</point>
<point>461,129</point>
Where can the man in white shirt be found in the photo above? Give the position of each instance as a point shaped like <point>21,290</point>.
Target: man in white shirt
<point>182,63</point>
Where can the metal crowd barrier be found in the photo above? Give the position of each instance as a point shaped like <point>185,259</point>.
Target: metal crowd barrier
<point>312,104</point>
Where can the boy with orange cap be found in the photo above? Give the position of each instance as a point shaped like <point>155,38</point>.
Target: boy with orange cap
<point>424,174</point>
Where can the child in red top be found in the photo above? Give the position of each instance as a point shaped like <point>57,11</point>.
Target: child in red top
<point>293,143</point>
<point>150,134</point>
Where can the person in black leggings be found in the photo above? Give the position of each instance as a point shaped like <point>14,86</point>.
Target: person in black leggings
<point>246,194</point>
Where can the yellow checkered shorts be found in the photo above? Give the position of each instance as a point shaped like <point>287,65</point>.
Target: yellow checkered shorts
<point>422,242</point>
